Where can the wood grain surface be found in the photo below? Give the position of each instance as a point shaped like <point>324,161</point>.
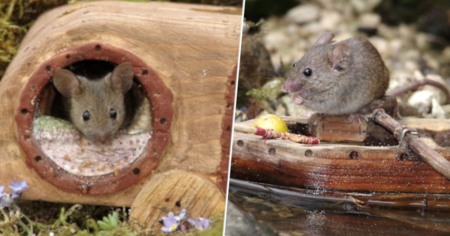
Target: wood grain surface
<point>192,48</point>
<point>344,167</point>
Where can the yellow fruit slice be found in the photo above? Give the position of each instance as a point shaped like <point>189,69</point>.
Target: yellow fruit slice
<point>272,122</point>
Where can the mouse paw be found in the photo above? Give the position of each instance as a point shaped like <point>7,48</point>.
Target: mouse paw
<point>358,117</point>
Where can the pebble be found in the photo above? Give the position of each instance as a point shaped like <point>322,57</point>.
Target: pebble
<point>330,20</point>
<point>275,40</point>
<point>421,100</point>
<point>369,20</point>
<point>311,28</point>
<point>436,110</point>
<point>381,45</point>
<point>303,13</point>
<point>364,6</point>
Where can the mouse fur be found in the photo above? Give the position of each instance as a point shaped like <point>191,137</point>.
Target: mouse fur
<point>96,107</point>
<point>338,78</point>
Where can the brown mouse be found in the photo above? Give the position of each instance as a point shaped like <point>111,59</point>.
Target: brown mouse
<point>96,107</point>
<point>338,78</point>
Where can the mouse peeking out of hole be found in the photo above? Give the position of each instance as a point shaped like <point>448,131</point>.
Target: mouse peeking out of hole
<point>95,119</point>
<point>96,107</point>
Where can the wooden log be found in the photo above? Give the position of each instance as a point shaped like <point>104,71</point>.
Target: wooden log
<point>339,129</point>
<point>177,190</point>
<point>184,56</point>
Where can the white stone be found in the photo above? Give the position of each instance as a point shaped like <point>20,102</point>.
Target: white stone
<point>422,41</point>
<point>381,45</point>
<point>330,20</point>
<point>436,110</point>
<point>311,28</point>
<point>395,45</point>
<point>421,100</point>
<point>303,13</point>
<point>276,40</point>
<point>446,53</point>
<point>364,6</point>
<point>370,20</point>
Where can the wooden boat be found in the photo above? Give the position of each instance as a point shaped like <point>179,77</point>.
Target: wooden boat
<point>375,165</point>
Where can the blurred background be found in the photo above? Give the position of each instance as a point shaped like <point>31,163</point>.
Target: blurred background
<point>412,37</point>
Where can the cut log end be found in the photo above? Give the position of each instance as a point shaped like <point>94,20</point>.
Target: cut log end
<point>174,191</point>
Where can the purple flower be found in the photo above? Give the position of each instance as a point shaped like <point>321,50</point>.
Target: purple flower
<point>181,215</point>
<point>6,200</point>
<point>2,194</point>
<point>1,191</point>
<point>18,187</point>
<point>201,223</point>
<point>170,223</point>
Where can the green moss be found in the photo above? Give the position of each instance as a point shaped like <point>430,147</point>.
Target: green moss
<point>16,17</point>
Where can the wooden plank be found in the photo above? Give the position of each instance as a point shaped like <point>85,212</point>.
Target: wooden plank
<point>334,166</point>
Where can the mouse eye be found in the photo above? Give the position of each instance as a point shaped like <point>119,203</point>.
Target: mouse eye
<point>307,72</point>
<point>112,113</point>
<point>86,116</point>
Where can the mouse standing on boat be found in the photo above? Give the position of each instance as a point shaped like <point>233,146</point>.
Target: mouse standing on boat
<point>338,78</point>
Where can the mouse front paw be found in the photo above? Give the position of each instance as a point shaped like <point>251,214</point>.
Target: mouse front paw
<point>358,117</point>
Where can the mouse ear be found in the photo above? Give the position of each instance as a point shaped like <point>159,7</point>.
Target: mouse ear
<point>122,77</point>
<point>338,55</point>
<point>325,38</point>
<point>66,83</point>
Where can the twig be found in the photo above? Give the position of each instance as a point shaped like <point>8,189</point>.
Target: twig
<point>430,156</point>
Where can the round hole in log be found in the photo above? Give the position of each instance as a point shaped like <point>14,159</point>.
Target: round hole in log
<point>354,155</point>
<point>178,204</point>
<point>24,111</point>
<point>240,143</point>
<point>403,157</point>
<point>272,151</point>
<point>163,121</point>
<point>107,172</point>
<point>309,153</point>
<point>145,72</point>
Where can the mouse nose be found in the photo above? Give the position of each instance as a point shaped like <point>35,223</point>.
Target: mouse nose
<point>289,86</point>
<point>103,138</point>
